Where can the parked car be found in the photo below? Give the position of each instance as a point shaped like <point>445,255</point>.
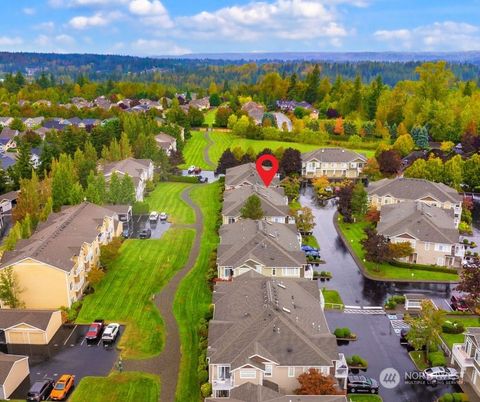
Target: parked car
<point>306,249</point>
<point>403,336</point>
<point>40,390</point>
<point>111,332</point>
<point>440,374</point>
<point>62,387</point>
<point>314,254</point>
<point>95,330</point>
<point>163,216</point>
<point>194,170</point>
<point>153,216</point>
<point>202,179</point>
<point>127,232</point>
<point>145,234</point>
<point>458,303</point>
<point>361,383</point>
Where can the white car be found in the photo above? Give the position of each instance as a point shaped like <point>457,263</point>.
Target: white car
<point>163,216</point>
<point>191,169</point>
<point>440,374</point>
<point>111,332</point>
<point>153,216</point>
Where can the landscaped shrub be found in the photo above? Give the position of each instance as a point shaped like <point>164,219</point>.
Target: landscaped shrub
<point>446,398</point>
<point>431,268</point>
<point>206,389</point>
<point>141,208</point>
<point>71,314</point>
<point>356,360</point>
<point>455,397</point>
<point>437,358</point>
<point>392,301</point>
<point>109,252</point>
<point>202,376</point>
<point>453,327</point>
<point>343,332</point>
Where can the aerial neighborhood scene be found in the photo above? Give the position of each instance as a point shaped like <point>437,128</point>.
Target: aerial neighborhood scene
<point>244,201</point>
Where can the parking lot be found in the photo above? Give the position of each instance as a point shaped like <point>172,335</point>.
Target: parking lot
<point>379,344</point>
<point>141,222</point>
<point>68,353</point>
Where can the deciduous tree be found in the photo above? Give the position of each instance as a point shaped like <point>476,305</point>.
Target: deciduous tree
<point>314,382</point>
<point>10,288</point>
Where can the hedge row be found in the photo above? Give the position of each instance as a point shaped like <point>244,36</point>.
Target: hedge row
<point>431,268</point>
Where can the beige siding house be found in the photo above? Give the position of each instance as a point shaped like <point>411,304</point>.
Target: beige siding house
<point>466,357</point>
<point>245,175</point>
<point>270,249</point>
<point>334,163</point>
<point>395,191</point>
<point>61,252</point>
<point>29,327</point>
<point>430,230</point>
<point>273,200</point>
<point>13,370</point>
<point>140,170</point>
<point>166,142</point>
<point>266,332</point>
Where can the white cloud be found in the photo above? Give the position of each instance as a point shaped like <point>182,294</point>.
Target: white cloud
<point>151,12</point>
<point>96,20</point>
<point>283,19</point>
<point>29,10</point>
<point>10,41</point>
<point>86,3</point>
<point>444,36</point>
<point>46,26</point>
<point>154,47</point>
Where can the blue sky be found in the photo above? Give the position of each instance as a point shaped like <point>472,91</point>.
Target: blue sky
<point>174,27</point>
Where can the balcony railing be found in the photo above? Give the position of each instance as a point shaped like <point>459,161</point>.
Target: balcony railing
<point>341,368</point>
<point>222,384</point>
<point>461,355</point>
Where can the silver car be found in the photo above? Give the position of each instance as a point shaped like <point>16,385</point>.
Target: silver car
<point>440,374</point>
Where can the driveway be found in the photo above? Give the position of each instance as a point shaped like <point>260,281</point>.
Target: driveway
<point>141,222</point>
<point>68,353</point>
<point>380,346</point>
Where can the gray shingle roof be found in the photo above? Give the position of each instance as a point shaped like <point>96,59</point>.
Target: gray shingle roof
<point>272,199</point>
<point>250,320</point>
<point>271,244</point>
<point>60,237</point>
<point>6,364</point>
<point>36,318</point>
<point>424,222</point>
<point>245,174</point>
<point>413,189</point>
<point>132,167</point>
<point>333,155</point>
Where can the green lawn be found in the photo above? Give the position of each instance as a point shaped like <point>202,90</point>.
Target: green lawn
<point>124,295</point>
<point>419,359</point>
<point>193,151</point>
<point>194,296</point>
<point>364,398</point>
<point>126,387</point>
<point>210,117</point>
<point>470,321</point>
<point>354,234</point>
<point>166,198</point>
<point>310,241</point>
<point>332,296</point>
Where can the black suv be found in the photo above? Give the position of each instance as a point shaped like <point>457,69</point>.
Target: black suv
<point>360,383</point>
<point>40,390</point>
<point>145,234</point>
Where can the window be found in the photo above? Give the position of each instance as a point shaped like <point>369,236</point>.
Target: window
<point>223,372</point>
<point>248,373</point>
<point>291,371</point>
<point>290,272</point>
<point>427,246</point>
<point>442,247</point>
<point>268,370</point>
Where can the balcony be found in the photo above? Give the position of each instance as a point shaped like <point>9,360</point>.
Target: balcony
<point>341,368</point>
<point>222,384</point>
<point>461,356</point>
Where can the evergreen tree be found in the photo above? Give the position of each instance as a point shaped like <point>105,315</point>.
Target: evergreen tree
<point>23,166</point>
<point>252,209</point>
<point>127,191</point>
<point>64,182</point>
<point>96,189</point>
<point>420,136</point>
<point>313,82</point>
<point>115,189</point>
<point>125,148</point>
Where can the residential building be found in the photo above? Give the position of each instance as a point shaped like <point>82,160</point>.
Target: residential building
<point>8,139</point>
<point>281,121</point>
<point>255,111</point>
<point>5,121</point>
<point>35,157</point>
<point>33,122</point>
<point>245,175</point>
<point>430,230</point>
<point>29,327</point>
<point>60,253</point>
<point>140,170</point>
<point>267,331</point>
<point>271,249</point>
<point>273,200</point>
<point>290,106</point>
<point>103,103</point>
<point>6,160</point>
<point>249,392</point>
<point>200,104</point>
<point>466,356</point>
<point>395,191</point>
<point>42,132</point>
<point>8,201</point>
<point>334,163</point>
<point>13,370</point>
<point>166,142</point>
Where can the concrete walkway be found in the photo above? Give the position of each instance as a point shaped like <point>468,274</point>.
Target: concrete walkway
<point>167,364</point>
<point>206,157</point>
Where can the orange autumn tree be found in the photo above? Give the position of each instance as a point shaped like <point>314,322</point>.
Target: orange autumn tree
<point>338,129</point>
<point>314,382</point>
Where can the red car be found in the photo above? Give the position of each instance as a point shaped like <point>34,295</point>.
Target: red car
<point>95,330</point>
<point>458,304</point>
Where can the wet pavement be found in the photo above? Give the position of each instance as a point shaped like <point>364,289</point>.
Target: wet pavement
<point>68,353</point>
<point>209,174</point>
<point>141,222</point>
<point>380,346</point>
<point>354,288</point>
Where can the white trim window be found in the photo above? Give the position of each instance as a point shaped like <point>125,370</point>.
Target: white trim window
<point>291,371</point>
<point>290,272</point>
<point>427,246</point>
<point>248,373</point>
<point>442,247</point>
<point>268,370</point>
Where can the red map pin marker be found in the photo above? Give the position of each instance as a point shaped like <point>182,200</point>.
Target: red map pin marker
<point>267,173</point>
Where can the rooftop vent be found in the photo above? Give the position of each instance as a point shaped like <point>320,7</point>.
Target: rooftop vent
<point>286,310</point>
<point>281,285</point>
